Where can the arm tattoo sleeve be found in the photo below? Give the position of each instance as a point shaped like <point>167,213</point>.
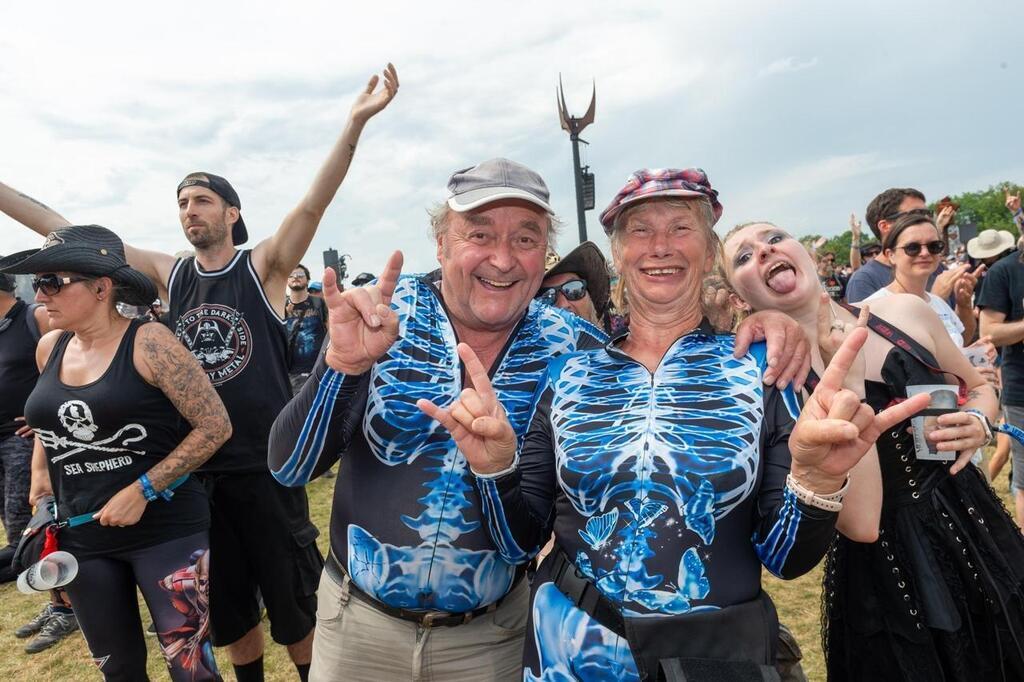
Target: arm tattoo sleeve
<point>183,381</point>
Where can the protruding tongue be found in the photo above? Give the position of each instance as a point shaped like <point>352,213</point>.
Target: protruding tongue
<point>783,281</point>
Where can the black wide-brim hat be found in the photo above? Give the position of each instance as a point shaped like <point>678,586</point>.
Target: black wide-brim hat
<point>587,261</point>
<point>86,250</point>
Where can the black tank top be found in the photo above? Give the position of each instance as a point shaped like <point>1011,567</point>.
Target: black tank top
<point>18,371</point>
<point>101,437</point>
<point>225,319</point>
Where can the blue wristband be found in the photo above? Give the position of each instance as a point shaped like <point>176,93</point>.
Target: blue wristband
<point>147,488</point>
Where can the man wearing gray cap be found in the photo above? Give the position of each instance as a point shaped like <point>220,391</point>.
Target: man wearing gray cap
<point>414,587</point>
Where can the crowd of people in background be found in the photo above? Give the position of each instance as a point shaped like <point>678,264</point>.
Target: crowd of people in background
<point>548,466</point>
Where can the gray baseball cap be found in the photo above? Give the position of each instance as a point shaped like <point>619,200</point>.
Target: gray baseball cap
<point>493,180</point>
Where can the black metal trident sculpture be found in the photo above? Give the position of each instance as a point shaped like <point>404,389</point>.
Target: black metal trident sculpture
<point>584,178</point>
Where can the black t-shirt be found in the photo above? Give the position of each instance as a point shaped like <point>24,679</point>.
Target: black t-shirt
<point>1004,293</point>
<point>99,438</point>
<point>834,285</point>
<point>307,326</point>
<point>225,319</point>
<point>18,371</point>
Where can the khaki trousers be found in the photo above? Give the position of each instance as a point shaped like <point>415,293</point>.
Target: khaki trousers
<point>355,642</point>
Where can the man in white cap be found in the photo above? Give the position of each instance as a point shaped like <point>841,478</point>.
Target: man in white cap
<point>414,587</point>
<point>987,249</point>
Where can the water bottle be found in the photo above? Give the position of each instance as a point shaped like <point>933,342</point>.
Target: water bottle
<point>56,569</point>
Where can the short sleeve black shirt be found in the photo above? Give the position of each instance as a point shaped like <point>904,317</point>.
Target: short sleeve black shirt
<point>1004,292</point>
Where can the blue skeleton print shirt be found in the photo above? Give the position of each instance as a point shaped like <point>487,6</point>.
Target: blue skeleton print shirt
<point>406,521</point>
<point>667,491</point>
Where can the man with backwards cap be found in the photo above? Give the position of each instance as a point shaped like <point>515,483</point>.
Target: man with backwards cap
<point>414,587</point>
<point>226,307</point>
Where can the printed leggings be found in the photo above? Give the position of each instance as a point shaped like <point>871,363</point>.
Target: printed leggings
<point>173,579</point>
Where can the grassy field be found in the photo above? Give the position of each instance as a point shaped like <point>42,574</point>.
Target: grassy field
<point>797,600</point>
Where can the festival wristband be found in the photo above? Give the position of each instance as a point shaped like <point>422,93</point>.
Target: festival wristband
<point>985,424</point>
<point>147,488</point>
<point>833,502</point>
<point>150,493</point>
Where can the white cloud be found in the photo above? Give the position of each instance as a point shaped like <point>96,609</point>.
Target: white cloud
<point>827,173</point>
<point>787,65</point>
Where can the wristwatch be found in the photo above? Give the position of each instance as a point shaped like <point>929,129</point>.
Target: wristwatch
<point>985,423</point>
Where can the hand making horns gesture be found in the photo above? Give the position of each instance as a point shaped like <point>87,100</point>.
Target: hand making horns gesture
<point>477,420</point>
<point>362,325</point>
<point>835,428</point>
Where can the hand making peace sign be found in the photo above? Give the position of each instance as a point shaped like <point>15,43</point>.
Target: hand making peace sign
<point>476,420</point>
<point>361,324</point>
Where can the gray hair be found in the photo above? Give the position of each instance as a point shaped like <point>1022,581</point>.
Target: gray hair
<point>441,215</point>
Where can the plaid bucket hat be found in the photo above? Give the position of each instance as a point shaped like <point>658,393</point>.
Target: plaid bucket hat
<point>658,182</point>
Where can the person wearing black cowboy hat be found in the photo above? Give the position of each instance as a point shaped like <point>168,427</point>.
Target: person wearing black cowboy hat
<point>578,283</point>
<point>238,293</point>
<point>122,414</point>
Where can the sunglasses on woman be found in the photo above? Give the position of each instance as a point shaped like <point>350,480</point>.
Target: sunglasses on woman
<point>573,290</point>
<point>51,284</point>
<point>913,249</point>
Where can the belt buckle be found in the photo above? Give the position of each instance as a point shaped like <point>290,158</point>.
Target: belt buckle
<point>431,616</point>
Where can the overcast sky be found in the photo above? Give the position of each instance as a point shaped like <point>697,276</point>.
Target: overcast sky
<point>800,113</point>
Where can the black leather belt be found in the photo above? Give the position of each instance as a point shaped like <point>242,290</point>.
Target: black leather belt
<point>584,593</point>
<point>426,619</point>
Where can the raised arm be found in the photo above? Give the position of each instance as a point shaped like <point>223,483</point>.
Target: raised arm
<point>855,261</point>
<point>278,255</point>
<point>33,214</point>
<point>43,220</point>
<point>1014,207</point>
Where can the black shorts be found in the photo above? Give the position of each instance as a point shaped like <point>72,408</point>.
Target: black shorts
<point>262,543</point>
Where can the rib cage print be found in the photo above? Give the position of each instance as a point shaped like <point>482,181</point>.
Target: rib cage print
<point>423,363</point>
<point>642,455</point>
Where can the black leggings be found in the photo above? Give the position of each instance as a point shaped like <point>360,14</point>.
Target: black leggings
<point>173,579</point>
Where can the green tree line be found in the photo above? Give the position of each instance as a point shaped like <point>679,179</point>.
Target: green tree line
<point>985,208</point>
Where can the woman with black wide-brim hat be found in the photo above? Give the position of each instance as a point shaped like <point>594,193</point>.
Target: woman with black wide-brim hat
<point>114,450</point>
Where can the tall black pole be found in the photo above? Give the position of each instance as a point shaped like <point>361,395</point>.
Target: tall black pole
<point>581,214</point>
<point>574,126</point>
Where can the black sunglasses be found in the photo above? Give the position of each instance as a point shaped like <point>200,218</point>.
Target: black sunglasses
<point>573,290</point>
<point>914,249</point>
<point>51,284</point>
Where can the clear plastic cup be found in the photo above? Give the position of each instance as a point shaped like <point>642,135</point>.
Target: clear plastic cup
<point>54,570</point>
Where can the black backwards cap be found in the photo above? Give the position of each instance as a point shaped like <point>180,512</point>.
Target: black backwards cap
<point>223,189</point>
